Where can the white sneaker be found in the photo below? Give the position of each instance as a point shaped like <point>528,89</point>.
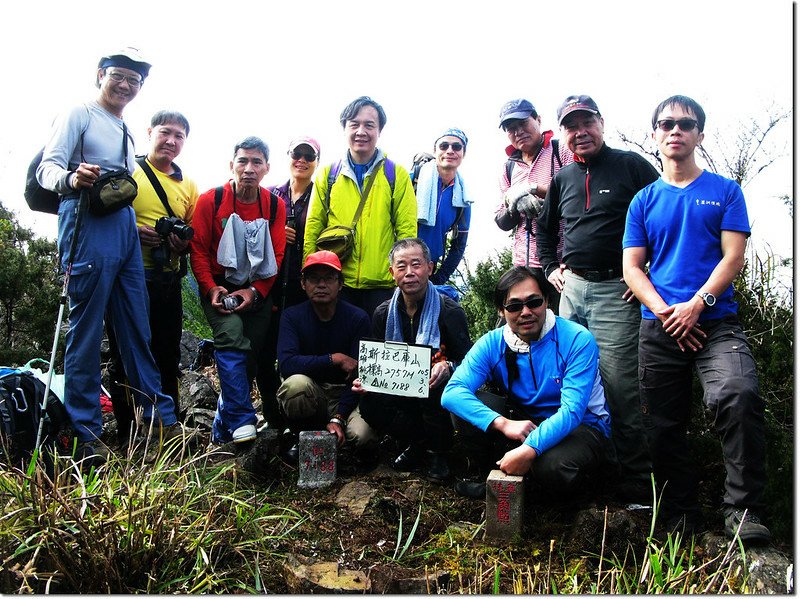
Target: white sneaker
<point>244,433</point>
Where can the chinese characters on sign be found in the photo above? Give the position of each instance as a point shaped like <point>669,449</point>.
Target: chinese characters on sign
<point>394,368</point>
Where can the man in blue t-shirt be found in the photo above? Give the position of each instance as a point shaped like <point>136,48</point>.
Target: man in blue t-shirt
<point>691,226</point>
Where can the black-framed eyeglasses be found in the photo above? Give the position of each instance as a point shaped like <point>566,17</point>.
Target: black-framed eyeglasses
<point>307,156</point>
<point>531,303</point>
<point>446,145</point>
<point>683,124</point>
<point>119,78</point>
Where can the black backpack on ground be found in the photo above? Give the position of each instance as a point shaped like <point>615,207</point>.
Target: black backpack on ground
<point>21,396</point>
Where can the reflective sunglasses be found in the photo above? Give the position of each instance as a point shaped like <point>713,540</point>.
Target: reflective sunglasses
<point>531,303</point>
<point>445,145</point>
<point>683,124</point>
<point>119,78</point>
<point>307,156</point>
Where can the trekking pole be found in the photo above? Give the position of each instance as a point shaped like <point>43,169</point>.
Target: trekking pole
<point>62,302</point>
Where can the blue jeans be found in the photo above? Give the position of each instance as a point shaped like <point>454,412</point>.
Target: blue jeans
<point>107,278</point>
<point>614,323</point>
<point>727,373</point>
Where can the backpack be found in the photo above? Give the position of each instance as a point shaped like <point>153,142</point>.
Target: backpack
<point>336,167</point>
<point>273,203</point>
<point>21,394</point>
<point>420,160</point>
<point>553,158</point>
<point>39,198</point>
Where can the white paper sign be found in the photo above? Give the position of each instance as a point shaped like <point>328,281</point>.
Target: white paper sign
<point>394,368</point>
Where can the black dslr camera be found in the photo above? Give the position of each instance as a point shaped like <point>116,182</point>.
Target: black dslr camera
<point>172,224</point>
<point>164,226</point>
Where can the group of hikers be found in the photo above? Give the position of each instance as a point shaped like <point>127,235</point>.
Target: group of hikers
<point>621,286</point>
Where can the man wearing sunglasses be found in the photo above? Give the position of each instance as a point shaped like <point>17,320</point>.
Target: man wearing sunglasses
<point>692,227</point>
<point>592,195</point>
<point>444,205</point>
<point>552,419</point>
<point>534,157</point>
<point>107,275</point>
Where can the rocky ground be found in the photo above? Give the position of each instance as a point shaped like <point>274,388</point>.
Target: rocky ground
<point>347,539</point>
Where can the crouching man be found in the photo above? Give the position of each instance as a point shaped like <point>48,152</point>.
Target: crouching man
<point>553,420</point>
<point>317,355</point>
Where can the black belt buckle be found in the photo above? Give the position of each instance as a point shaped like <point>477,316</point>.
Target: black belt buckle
<point>596,276</point>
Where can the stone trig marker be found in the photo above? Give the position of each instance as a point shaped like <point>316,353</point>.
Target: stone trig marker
<point>318,453</point>
<point>505,496</point>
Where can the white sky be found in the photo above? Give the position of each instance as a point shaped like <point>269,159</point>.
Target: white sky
<point>282,69</point>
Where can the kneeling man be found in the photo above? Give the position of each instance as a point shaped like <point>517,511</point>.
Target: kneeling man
<point>553,420</point>
<point>317,356</point>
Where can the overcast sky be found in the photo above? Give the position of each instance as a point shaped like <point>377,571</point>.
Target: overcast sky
<point>282,69</point>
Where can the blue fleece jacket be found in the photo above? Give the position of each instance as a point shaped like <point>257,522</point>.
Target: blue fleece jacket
<point>558,384</point>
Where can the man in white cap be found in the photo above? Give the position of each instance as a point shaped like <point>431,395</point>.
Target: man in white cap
<point>317,351</point>
<point>107,276</point>
<point>444,206</point>
<point>287,291</point>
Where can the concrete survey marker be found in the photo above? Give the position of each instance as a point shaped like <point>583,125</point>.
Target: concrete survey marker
<point>505,498</point>
<point>317,462</point>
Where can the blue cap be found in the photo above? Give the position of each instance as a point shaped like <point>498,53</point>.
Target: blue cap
<point>516,109</point>
<point>452,131</point>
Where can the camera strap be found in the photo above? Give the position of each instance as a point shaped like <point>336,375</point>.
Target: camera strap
<point>162,195</point>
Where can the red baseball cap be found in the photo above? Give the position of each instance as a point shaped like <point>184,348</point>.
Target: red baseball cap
<point>323,258</point>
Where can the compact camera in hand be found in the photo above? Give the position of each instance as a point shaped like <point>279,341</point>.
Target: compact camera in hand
<point>231,302</point>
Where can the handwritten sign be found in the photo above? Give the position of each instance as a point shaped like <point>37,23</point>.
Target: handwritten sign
<point>394,368</point>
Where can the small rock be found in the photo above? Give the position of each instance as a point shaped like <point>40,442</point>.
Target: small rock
<point>305,576</point>
<point>355,497</point>
<point>197,391</point>
<point>188,349</point>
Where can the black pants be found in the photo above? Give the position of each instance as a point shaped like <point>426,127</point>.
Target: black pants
<point>560,471</point>
<point>417,421</point>
<point>166,327</point>
<point>727,373</point>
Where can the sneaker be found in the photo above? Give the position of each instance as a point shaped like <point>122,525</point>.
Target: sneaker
<point>244,433</point>
<point>747,526</point>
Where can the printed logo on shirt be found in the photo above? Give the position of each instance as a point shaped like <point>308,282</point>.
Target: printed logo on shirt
<point>604,191</point>
<point>700,202</point>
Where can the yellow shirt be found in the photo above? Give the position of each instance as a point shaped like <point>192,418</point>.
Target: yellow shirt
<point>181,194</point>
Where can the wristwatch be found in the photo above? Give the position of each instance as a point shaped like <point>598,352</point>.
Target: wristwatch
<point>708,299</point>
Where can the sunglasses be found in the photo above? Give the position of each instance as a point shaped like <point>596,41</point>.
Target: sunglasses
<point>683,124</point>
<point>307,156</point>
<point>445,145</point>
<point>531,303</point>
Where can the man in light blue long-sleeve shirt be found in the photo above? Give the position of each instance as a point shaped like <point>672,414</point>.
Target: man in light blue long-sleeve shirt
<point>554,406</point>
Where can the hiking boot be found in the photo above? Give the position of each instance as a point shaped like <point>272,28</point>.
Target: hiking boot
<point>244,433</point>
<point>747,526</point>
<point>410,460</point>
<point>91,453</point>
<point>474,489</point>
<point>291,455</point>
<point>437,469</point>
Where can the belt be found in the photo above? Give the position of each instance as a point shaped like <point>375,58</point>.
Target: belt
<point>595,276</point>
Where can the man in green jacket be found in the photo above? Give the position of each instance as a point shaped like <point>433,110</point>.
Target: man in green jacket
<point>389,212</point>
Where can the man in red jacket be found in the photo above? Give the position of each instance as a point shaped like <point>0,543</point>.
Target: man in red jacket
<point>237,250</point>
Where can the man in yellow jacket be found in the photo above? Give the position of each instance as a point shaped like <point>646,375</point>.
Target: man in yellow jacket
<point>389,212</point>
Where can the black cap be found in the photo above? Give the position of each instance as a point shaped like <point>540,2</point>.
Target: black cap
<point>575,103</point>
